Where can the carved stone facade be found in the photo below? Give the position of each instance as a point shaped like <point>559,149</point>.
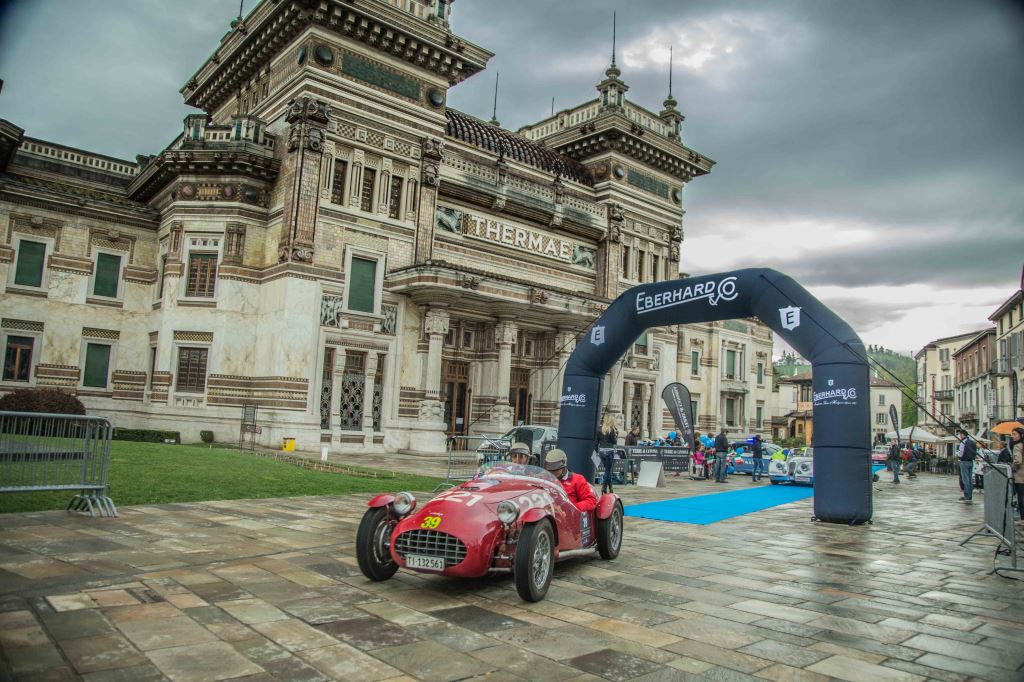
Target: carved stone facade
<point>372,271</point>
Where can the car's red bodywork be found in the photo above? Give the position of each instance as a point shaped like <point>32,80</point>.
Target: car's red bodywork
<point>474,541</point>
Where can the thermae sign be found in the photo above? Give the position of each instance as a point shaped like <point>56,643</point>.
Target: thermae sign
<point>713,290</point>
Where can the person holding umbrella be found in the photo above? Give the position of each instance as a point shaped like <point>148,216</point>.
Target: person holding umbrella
<point>1017,466</point>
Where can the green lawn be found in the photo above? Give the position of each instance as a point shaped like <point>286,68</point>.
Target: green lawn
<point>154,473</point>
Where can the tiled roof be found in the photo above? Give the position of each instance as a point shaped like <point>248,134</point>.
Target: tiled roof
<point>492,138</point>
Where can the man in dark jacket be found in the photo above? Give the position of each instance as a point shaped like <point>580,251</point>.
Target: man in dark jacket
<point>758,454</point>
<point>721,455</point>
<point>968,453</point>
<point>895,455</point>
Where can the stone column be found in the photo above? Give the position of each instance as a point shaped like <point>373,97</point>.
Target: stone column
<point>565,343</point>
<point>300,175</point>
<point>615,397</point>
<point>372,358</point>
<point>429,434</point>
<point>504,336</point>
<point>436,326</point>
<point>645,410</point>
<point>682,357</point>
<point>430,181</point>
<point>628,386</point>
<point>339,370</point>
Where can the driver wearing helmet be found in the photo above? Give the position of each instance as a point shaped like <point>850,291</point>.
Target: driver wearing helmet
<point>519,453</point>
<point>575,486</point>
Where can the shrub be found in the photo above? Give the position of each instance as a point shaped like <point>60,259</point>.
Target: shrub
<point>147,435</point>
<point>51,400</point>
<point>206,436</point>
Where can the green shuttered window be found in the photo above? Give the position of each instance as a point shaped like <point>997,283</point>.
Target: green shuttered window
<point>97,365</point>
<point>362,282</point>
<point>31,257</point>
<point>108,273</point>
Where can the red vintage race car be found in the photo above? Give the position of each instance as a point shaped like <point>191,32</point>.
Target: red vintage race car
<point>511,518</point>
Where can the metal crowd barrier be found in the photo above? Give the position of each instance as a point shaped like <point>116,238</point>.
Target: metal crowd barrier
<point>999,515</point>
<point>467,454</point>
<point>41,452</point>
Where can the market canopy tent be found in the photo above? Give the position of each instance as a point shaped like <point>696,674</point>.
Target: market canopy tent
<point>921,435</point>
<point>842,432</point>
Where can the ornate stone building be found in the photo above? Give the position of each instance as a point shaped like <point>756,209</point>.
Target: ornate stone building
<point>327,240</point>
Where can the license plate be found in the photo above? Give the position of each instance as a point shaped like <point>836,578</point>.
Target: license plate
<point>803,479</point>
<point>431,563</point>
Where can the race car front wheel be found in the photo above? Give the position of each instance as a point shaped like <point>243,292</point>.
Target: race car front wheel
<point>609,533</point>
<point>535,559</point>
<point>372,545</point>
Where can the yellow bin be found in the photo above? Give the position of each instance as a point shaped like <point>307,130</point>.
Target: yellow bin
<point>288,444</point>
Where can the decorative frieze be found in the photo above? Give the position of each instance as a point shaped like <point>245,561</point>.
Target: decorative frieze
<point>389,321</point>
<point>21,325</point>
<point>61,376</point>
<point>331,308</point>
<point>221,191</point>
<point>96,333</point>
<point>234,244</point>
<point>35,226</point>
<point>193,337</point>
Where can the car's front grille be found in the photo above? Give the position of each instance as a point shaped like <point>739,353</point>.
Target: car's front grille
<point>792,468</point>
<point>431,543</point>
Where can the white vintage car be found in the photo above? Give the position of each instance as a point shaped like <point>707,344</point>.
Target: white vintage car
<point>798,467</point>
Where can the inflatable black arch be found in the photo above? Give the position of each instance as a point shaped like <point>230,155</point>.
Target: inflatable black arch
<point>842,434</point>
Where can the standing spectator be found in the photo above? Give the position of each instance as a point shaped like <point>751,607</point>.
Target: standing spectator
<point>607,439</point>
<point>968,453</point>
<point>894,461</point>
<point>721,454</point>
<point>912,457</point>
<point>758,455</point>
<point>1017,466</point>
<point>697,463</point>
<point>1004,456</point>
<point>633,436</point>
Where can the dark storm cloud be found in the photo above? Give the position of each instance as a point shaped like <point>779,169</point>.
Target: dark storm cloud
<point>898,119</point>
<point>865,316</point>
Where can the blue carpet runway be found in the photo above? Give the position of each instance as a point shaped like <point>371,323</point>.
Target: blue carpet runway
<point>706,509</point>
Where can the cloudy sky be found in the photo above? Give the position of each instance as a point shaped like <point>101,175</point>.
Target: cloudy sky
<point>873,150</point>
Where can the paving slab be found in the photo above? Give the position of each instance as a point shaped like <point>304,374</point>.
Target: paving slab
<point>270,589</point>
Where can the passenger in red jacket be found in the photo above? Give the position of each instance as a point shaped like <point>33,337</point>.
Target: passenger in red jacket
<point>576,487</point>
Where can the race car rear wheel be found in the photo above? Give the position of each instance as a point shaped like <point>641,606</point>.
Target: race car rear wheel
<point>609,533</point>
<point>372,544</point>
<point>535,560</point>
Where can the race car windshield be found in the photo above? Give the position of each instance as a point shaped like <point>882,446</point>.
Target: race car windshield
<point>505,469</point>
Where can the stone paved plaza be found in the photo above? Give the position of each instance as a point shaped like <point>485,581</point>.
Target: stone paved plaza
<point>269,589</point>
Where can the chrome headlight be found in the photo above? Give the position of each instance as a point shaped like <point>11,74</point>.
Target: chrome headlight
<point>508,512</point>
<point>404,503</point>
<point>804,466</point>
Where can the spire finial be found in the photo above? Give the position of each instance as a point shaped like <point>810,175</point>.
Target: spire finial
<point>552,106</point>
<point>670,101</point>
<point>670,72</point>
<point>494,113</point>
<point>613,38</point>
<point>240,3</point>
